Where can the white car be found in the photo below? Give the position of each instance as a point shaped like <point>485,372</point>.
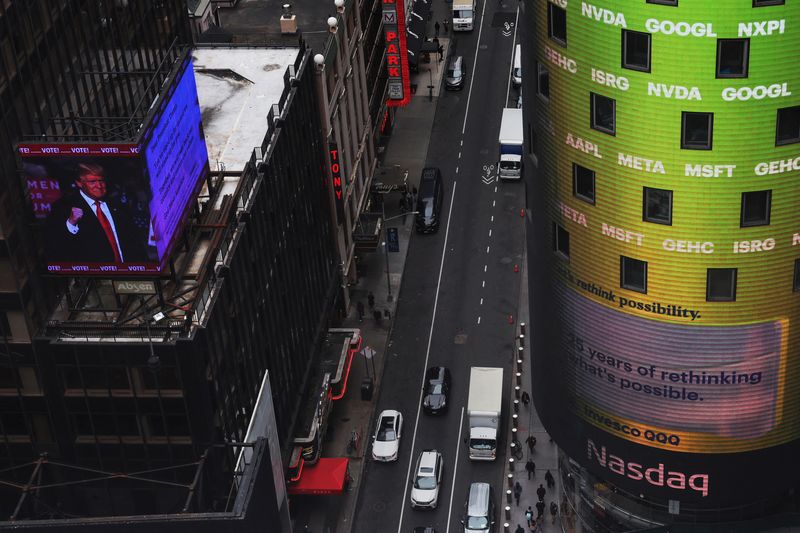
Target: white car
<point>428,478</point>
<point>386,441</point>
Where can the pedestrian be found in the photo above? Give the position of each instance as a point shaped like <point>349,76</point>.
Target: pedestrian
<point>551,482</point>
<point>360,310</point>
<point>517,491</point>
<point>446,26</point>
<point>404,206</point>
<point>553,510</point>
<point>529,515</point>
<point>531,442</point>
<point>540,492</point>
<point>530,467</point>
<point>371,300</point>
<point>413,196</point>
<point>441,53</point>
<point>378,316</point>
<point>436,29</point>
<point>539,509</point>
<point>519,529</point>
<point>526,398</point>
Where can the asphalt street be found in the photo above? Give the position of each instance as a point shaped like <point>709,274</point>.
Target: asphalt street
<point>459,289</point>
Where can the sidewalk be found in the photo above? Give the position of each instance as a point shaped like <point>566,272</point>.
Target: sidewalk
<point>406,150</point>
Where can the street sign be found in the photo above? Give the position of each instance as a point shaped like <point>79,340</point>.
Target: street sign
<point>392,240</point>
<point>135,287</point>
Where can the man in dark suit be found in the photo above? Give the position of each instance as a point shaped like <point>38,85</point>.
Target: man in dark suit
<point>86,226</point>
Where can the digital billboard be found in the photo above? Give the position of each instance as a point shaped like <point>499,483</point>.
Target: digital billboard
<point>659,379</point>
<point>115,208</point>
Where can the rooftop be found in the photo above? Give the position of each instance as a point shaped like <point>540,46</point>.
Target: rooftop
<point>237,87</point>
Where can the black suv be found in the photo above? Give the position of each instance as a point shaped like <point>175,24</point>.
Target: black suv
<point>437,387</point>
<point>429,200</point>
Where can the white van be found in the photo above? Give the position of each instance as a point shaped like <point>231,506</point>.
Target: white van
<point>516,73</point>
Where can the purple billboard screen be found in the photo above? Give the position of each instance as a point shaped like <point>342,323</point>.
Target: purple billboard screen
<point>94,203</point>
<point>176,158</point>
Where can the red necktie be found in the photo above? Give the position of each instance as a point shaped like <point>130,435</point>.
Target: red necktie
<point>106,225</point>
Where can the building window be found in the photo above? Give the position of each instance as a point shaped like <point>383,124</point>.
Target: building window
<point>732,58</point>
<point>603,110</point>
<point>756,208</point>
<point>697,130</point>
<point>796,283</point>
<point>583,183</point>
<point>788,129</point>
<point>543,81</point>
<point>636,50</point>
<point>762,3</point>
<point>560,240</point>
<point>633,274</point>
<point>721,285</point>
<point>658,206</point>
<point>664,2</point>
<point>557,23</point>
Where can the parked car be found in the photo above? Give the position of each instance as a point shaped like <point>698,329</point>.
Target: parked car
<point>437,387</point>
<point>479,509</point>
<point>427,479</point>
<point>456,74</point>
<point>429,200</point>
<point>386,441</point>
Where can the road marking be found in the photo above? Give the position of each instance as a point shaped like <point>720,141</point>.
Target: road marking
<point>427,358</point>
<point>474,69</point>
<point>479,321</point>
<point>456,170</point>
<point>493,202</point>
<point>487,249</point>
<point>513,50</point>
<point>462,142</point>
<point>459,155</point>
<point>481,301</point>
<point>485,267</point>
<point>495,190</point>
<point>483,283</point>
<point>492,218</point>
<point>455,466</point>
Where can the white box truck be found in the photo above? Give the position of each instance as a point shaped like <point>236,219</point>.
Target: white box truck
<point>463,15</point>
<point>511,141</point>
<point>484,407</point>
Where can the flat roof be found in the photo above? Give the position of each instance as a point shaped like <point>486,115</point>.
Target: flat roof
<point>236,87</point>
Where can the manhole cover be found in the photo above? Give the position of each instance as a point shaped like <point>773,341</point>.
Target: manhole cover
<point>379,507</point>
<point>461,338</point>
<point>484,151</point>
<point>505,260</point>
<point>484,47</point>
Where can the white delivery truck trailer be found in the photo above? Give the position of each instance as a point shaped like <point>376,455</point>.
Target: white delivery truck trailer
<point>463,15</point>
<point>511,141</point>
<point>484,407</point>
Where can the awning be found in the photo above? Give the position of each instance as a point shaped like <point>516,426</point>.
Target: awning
<point>328,476</point>
<point>415,30</point>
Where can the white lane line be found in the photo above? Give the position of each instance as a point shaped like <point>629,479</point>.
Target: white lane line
<point>456,170</point>
<point>492,218</point>
<point>455,466</point>
<point>485,267</point>
<point>462,142</point>
<point>495,190</point>
<point>474,69</point>
<point>483,283</point>
<point>459,155</point>
<point>487,249</point>
<point>479,321</point>
<point>481,301</point>
<point>427,357</point>
<point>493,201</point>
<point>513,50</point>
<point>490,232</point>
